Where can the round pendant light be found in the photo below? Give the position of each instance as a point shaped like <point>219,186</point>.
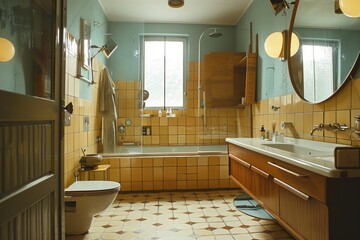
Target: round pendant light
<point>7,50</point>
<point>350,8</point>
<point>274,44</point>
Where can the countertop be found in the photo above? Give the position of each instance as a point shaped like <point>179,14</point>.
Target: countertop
<point>323,165</point>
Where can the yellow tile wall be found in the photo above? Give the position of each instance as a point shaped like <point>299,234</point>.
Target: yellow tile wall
<point>340,108</point>
<point>170,173</point>
<point>187,127</point>
<point>75,138</point>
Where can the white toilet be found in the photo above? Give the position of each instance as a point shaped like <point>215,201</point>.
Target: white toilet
<point>84,199</point>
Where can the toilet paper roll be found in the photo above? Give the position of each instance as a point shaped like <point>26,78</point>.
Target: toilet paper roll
<point>284,125</point>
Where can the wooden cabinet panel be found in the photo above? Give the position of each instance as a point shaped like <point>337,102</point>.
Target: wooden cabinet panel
<point>241,172</point>
<point>245,74</point>
<point>266,192</point>
<point>310,183</point>
<point>227,77</point>
<point>308,218</point>
<point>219,79</point>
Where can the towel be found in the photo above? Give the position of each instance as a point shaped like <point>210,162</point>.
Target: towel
<point>107,96</point>
<point>108,111</point>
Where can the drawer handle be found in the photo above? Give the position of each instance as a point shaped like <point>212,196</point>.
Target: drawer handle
<point>291,189</point>
<point>287,170</point>
<point>260,172</point>
<point>245,164</point>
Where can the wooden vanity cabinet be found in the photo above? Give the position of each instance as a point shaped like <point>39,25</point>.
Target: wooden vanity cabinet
<point>309,205</point>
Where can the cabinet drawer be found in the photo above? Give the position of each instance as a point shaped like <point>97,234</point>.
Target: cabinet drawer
<point>307,182</point>
<point>240,170</point>
<point>309,219</point>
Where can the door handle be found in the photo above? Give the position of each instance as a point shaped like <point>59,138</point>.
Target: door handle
<point>69,108</point>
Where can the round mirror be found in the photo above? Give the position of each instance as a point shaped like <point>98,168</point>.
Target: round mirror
<point>329,49</point>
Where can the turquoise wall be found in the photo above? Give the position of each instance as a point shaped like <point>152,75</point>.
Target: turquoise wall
<point>124,65</point>
<point>273,77</point>
<point>94,15</point>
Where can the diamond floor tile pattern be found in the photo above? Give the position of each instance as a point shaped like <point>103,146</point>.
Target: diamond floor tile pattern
<point>179,216</point>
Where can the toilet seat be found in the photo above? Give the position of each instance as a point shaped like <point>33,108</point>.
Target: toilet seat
<point>92,188</point>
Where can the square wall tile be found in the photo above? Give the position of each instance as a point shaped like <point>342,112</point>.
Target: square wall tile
<point>343,98</point>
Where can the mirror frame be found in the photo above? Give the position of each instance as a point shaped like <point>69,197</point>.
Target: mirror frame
<point>85,36</point>
<point>354,69</point>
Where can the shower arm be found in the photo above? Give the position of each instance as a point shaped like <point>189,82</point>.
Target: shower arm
<point>199,77</point>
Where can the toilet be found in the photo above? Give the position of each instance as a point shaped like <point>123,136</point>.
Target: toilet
<point>84,199</point>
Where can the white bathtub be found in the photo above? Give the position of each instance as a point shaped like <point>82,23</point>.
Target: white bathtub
<point>129,151</point>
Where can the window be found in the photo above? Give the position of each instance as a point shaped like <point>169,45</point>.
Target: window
<point>164,69</point>
<point>320,60</point>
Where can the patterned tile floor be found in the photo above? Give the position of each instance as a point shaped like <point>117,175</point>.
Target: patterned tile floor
<point>180,216</point>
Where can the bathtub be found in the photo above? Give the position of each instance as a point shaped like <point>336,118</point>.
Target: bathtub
<point>136,151</point>
<point>169,168</point>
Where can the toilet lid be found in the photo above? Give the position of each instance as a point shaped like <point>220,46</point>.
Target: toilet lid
<point>86,188</point>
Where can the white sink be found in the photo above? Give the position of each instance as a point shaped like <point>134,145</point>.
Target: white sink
<point>301,150</point>
<point>328,159</point>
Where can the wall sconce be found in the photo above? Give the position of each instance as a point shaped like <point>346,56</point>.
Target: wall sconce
<point>275,45</point>
<point>279,5</point>
<point>106,49</point>
<point>7,50</point>
<point>176,3</point>
<point>350,8</point>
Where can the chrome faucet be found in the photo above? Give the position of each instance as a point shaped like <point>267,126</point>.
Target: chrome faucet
<point>317,128</point>
<point>328,127</point>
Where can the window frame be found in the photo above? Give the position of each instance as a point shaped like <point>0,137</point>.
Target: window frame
<point>166,37</point>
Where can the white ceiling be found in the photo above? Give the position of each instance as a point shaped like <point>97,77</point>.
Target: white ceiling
<point>214,12</point>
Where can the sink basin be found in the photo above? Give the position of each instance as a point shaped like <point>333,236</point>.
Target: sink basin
<point>301,150</point>
<point>90,161</point>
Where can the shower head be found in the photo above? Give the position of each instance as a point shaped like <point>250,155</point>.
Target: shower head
<point>215,34</point>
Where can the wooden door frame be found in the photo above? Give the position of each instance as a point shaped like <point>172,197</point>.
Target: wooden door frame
<point>20,114</point>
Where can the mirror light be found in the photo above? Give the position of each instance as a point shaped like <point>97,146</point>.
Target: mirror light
<point>350,8</point>
<point>295,44</point>
<point>274,44</point>
<point>7,50</point>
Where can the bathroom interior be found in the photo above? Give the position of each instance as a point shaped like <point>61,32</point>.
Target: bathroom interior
<point>179,150</point>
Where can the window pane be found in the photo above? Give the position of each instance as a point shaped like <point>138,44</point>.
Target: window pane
<point>318,74</point>
<point>164,71</point>
<point>154,73</point>
<point>174,74</point>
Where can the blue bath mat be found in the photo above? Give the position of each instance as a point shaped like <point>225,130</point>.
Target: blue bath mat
<point>246,204</point>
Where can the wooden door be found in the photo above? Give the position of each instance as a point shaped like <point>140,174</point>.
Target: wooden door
<point>31,166</point>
